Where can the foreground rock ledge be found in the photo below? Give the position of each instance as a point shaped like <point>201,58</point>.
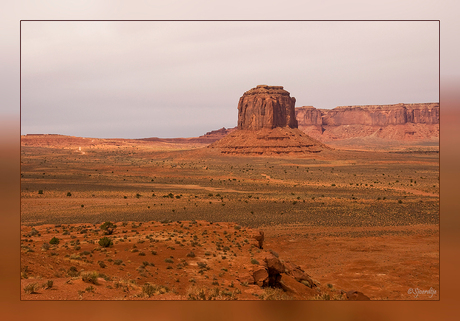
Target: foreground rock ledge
<point>182,260</point>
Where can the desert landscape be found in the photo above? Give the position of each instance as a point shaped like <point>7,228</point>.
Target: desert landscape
<point>294,203</point>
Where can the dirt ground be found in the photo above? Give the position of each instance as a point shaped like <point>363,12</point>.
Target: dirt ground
<point>352,220</point>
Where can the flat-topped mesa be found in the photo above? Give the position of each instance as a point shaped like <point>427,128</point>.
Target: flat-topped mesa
<point>266,107</point>
<point>369,115</point>
<point>383,115</point>
<point>397,122</point>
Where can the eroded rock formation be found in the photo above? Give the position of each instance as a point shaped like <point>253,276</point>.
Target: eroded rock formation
<point>266,107</point>
<point>267,126</point>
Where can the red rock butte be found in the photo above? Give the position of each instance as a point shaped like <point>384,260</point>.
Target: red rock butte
<point>266,107</point>
<point>267,125</point>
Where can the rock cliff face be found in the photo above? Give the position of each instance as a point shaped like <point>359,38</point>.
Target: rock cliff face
<point>372,115</point>
<point>266,107</point>
<point>308,115</point>
<point>400,122</point>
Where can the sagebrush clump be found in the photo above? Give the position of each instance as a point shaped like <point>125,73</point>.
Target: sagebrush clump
<point>108,228</point>
<point>105,242</point>
<point>54,241</point>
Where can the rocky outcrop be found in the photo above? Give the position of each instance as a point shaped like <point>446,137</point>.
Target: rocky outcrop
<point>266,107</point>
<point>213,135</point>
<point>259,237</point>
<point>308,116</point>
<point>356,296</point>
<point>298,274</point>
<point>207,138</point>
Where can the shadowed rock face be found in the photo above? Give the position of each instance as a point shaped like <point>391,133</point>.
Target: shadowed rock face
<point>266,107</point>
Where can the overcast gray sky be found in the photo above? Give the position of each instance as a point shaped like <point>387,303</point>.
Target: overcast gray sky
<point>182,79</point>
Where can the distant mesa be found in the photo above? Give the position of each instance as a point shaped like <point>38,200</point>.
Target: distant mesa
<point>267,126</point>
<point>397,122</point>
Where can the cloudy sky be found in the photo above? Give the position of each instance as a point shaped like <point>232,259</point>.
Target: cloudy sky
<point>182,79</point>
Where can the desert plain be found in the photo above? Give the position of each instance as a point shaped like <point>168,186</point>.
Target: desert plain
<point>341,224</point>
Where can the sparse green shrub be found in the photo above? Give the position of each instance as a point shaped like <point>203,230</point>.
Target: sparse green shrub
<point>69,194</point>
<point>148,289</point>
<point>90,277</point>
<point>31,288</point>
<point>48,284</point>
<point>254,261</point>
<point>40,191</point>
<point>324,296</point>
<point>169,260</point>
<point>90,289</point>
<point>152,289</point>
<point>73,272</point>
<point>105,242</point>
<point>274,294</point>
<point>108,228</point>
<point>191,254</point>
<point>54,241</point>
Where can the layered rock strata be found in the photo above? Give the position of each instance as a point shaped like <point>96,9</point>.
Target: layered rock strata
<point>275,141</point>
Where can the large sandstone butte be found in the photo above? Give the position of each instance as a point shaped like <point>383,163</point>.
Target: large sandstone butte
<point>266,107</point>
<point>267,126</point>
<point>398,122</point>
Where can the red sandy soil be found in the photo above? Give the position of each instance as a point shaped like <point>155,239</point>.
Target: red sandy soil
<point>398,250</point>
